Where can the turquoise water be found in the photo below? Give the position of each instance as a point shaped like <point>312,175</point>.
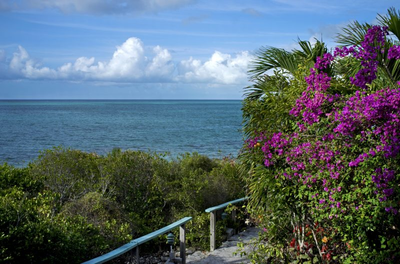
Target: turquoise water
<point>209,127</point>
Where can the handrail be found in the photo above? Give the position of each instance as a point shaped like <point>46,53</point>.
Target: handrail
<point>143,239</point>
<point>221,206</point>
<point>213,219</point>
<point>159,232</point>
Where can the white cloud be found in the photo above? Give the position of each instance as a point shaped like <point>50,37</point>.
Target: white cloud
<point>96,7</point>
<point>128,63</point>
<point>131,63</point>
<point>19,60</point>
<point>21,65</point>
<point>220,68</point>
<point>161,65</point>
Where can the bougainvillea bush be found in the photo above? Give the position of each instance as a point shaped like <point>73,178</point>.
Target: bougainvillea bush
<point>328,189</point>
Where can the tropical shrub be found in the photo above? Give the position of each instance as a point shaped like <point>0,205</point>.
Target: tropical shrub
<point>30,232</point>
<point>69,206</point>
<point>69,173</point>
<point>197,183</point>
<point>327,188</point>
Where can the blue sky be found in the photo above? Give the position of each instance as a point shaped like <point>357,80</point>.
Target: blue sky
<point>155,49</point>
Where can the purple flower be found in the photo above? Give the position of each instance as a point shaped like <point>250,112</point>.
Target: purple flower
<point>357,128</point>
<point>394,53</point>
<point>373,42</point>
<point>388,192</point>
<point>324,62</point>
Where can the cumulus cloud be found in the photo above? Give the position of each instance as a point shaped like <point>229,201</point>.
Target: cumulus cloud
<point>132,63</point>
<point>96,7</point>
<point>220,68</point>
<point>129,63</point>
<point>22,66</point>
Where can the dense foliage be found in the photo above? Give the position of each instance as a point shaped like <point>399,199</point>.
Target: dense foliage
<point>325,182</point>
<point>69,206</point>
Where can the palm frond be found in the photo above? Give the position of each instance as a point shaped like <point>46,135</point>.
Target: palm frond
<point>310,52</point>
<point>305,51</point>
<point>353,34</point>
<point>269,58</point>
<point>266,84</point>
<point>255,91</point>
<point>392,21</point>
<point>391,68</point>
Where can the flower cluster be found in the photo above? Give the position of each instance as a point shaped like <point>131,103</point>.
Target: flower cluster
<point>324,62</point>
<point>368,119</point>
<point>372,45</point>
<point>394,53</point>
<point>313,100</point>
<point>382,178</point>
<point>375,115</point>
<point>255,142</point>
<point>275,146</point>
<point>338,164</point>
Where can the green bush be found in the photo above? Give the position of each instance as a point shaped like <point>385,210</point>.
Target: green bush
<point>69,206</point>
<point>30,232</point>
<point>69,173</point>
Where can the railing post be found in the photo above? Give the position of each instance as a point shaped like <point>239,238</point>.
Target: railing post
<point>234,220</point>
<point>212,211</point>
<point>212,230</point>
<point>137,255</point>
<point>182,239</point>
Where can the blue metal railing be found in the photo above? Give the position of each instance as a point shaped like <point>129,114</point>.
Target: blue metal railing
<point>222,206</point>
<point>134,244</point>
<point>141,240</point>
<point>213,219</point>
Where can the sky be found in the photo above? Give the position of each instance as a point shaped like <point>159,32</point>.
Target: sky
<point>156,49</point>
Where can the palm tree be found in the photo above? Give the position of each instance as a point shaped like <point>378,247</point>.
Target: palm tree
<point>278,79</point>
<point>271,58</point>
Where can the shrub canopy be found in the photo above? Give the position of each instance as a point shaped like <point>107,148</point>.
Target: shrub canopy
<point>326,185</point>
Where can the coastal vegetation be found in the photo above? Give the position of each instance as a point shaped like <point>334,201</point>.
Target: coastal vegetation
<point>321,164</point>
<point>323,148</point>
<point>68,206</point>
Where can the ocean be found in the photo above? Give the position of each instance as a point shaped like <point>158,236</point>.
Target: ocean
<point>211,127</point>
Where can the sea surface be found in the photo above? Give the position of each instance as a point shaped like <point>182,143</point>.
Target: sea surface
<point>212,128</point>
